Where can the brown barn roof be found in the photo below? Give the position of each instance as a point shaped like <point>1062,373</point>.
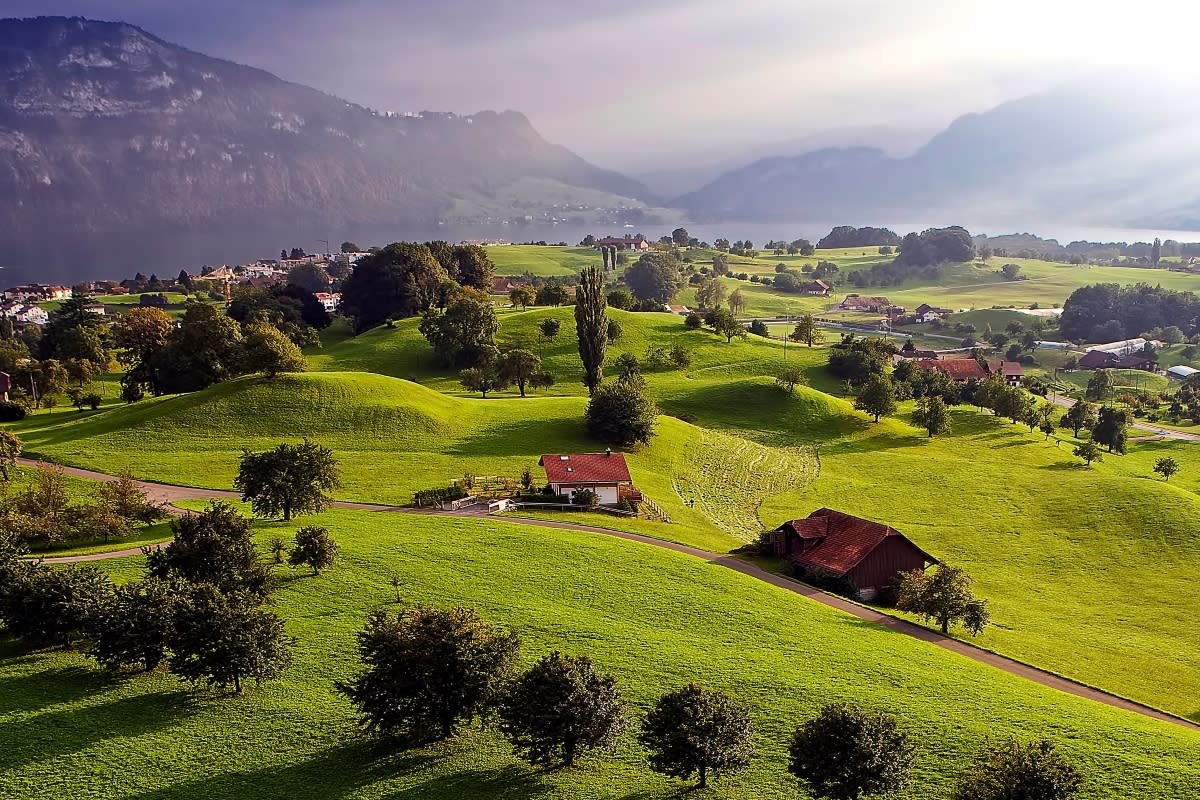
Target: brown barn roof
<point>585,468</point>
<point>842,540</point>
<point>1009,369</point>
<point>1095,359</point>
<point>959,369</point>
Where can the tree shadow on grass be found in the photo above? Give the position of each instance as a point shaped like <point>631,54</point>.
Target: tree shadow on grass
<point>50,687</point>
<point>53,734</point>
<point>1066,466</point>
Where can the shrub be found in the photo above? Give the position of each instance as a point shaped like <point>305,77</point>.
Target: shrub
<point>586,498</point>
<point>692,321</point>
<point>11,412</point>
<point>621,414</point>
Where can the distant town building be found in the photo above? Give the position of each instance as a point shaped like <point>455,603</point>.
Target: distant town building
<point>873,305</point>
<point>637,242</point>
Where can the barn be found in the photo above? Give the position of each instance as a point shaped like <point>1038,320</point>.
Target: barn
<point>831,545</point>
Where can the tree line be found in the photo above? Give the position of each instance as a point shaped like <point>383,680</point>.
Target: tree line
<point>1108,312</point>
<point>425,672</point>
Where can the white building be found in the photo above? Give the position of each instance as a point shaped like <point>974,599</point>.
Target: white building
<point>1125,346</point>
<point>1181,372</point>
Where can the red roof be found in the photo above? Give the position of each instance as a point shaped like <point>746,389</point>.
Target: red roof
<point>959,369</point>
<point>1096,359</point>
<point>1009,369</point>
<point>585,468</point>
<point>842,540</point>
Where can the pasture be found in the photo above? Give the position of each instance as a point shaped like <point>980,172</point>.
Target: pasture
<point>656,620</point>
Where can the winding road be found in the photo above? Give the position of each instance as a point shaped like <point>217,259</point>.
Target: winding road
<point>1166,433</point>
<point>169,494</point>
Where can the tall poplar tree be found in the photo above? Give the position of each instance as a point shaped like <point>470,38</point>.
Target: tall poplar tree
<point>591,324</point>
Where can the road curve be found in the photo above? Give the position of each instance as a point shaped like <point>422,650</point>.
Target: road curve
<point>1166,433</point>
<point>168,494</point>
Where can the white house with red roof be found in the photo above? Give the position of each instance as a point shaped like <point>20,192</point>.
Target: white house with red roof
<point>605,473</point>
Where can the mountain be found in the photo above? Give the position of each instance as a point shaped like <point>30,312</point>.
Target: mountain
<point>1104,153</point>
<point>117,146</point>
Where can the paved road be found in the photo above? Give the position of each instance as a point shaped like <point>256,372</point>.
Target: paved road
<point>1166,433</point>
<point>169,494</point>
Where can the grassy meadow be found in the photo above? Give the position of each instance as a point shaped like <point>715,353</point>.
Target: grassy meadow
<point>643,614</point>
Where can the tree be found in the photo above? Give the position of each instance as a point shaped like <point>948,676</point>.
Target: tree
<point>790,377</point>
<point>401,280</point>
<point>693,732</point>
<point>135,629</point>
<point>268,351</point>
<point>471,266</point>
<point>622,299</point>
<point>464,335</point>
<point>693,321</point>
<point>48,607</point>
<point>290,479</point>
<point>484,379</point>
<point>710,293</point>
<point>350,247</point>
<point>314,547</point>
<point>427,670</point>
<point>1011,271</point>
<point>725,324</point>
<point>680,237</point>
<point>226,639</point>
<point>932,415</point>
<point>139,335</point>
<point>654,277</point>
<point>806,331</point>
<point>737,302</point>
<point>10,451</point>
<point>621,414</point>
<point>311,277</point>
<point>1100,385</point>
<point>591,325</point>
<point>205,349</point>
<point>943,596</point>
<point>846,752</point>
<point>1089,451</point>
<point>519,367</point>
<point>522,296</point>
<point>212,547</point>
<point>549,328</point>
<point>1080,415</point>
<point>561,707</point>
<point>1156,252</point>
<point>1012,770</point>
<point>1110,429</point>
<point>552,295</point>
<point>878,397</point>
<point>1165,466</point>
<point>123,498</point>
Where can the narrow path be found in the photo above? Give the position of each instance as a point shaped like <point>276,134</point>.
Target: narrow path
<point>169,494</point>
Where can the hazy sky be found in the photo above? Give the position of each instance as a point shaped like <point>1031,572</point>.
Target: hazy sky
<point>660,83</point>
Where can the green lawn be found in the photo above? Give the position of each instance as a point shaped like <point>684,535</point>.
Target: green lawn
<point>656,620</point>
<point>517,259</point>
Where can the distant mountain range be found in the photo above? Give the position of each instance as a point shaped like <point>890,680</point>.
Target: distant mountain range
<point>115,144</point>
<point>1106,154</point>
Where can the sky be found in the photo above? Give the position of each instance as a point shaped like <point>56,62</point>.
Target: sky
<point>668,84</point>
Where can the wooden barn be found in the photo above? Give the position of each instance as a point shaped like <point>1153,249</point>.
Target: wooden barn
<point>831,545</point>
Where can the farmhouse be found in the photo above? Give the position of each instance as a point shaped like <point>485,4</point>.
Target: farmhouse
<point>625,242</point>
<point>957,369</point>
<point>505,285</point>
<point>1096,359</point>
<point>829,544</point>
<point>928,313</point>
<point>1136,361</point>
<point>330,300</point>
<point>1011,371</point>
<point>815,288</point>
<point>605,473</point>
<point>874,305</point>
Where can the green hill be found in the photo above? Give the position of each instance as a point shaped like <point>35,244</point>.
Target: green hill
<point>655,619</point>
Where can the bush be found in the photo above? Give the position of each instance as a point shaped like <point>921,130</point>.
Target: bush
<point>693,321</point>
<point>586,498</point>
<point>759,328</point>
<point>621,414</point>
<point>11,412</point>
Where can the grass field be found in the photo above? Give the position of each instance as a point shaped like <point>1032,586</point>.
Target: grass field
<point>656,620</point>
<point>517,259</point>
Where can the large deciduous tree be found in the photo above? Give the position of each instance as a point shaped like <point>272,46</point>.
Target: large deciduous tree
<point>932,415</point>
<point>226,639</point>
<point>1080,416</point>
<point>655,277</point>
<point>520,367</point>
<point>1013,770</point>
<point>591,325</point>
<point>560,708</point>
<point>694,731</point>
<point>944,596</point>
<point>1110,429</point>
<point>878,397</point>
<point>464,335</point>
<point>427,670</point>
<point>290,479</point>
<point>136,629</point>
<point>269,351</point>
<point>806,331</point>
<point>401,280</point>
<point>211,547</point>
<point>139,335</point>
<point>621,413</point>
<point>847,752</point>
<point>205,349</point>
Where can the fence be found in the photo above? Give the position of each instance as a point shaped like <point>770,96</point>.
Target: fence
<point>616,512</point>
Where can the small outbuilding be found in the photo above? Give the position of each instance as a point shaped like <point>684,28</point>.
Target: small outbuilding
<point>1181,372</point>
<point>605,473</point>
<point>830,545</point>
